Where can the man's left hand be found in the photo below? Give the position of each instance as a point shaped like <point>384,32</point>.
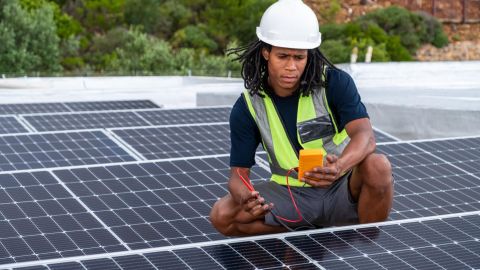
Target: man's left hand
<point>323,177</point>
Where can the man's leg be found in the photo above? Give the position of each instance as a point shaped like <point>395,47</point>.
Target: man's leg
<point>371,185</point>
<point>231,219</point>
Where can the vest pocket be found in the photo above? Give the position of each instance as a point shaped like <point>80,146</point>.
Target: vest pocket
<point>314,129</point>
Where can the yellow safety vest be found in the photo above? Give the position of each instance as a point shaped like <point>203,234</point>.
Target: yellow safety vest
<point>316,129</point>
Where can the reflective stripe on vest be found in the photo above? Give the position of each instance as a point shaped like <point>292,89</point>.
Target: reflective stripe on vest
<point>314,131</point>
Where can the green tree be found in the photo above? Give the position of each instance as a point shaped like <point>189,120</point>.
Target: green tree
<point>102,50</point>
<point>158,17</point>
<point>336,51</point>
<point>29,39</point>
<point>413,29</point>
<point>194,37</point>
<point>142,53</point>
<point>184,60</point>
<point>97,16</point>
<point>233,19</point>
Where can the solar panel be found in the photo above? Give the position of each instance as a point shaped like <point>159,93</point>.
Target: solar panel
<point>426,185</point>
<point>158,206</point>
<point>187,116</point>
<point>445,242</point>
<point>10,124</point>
<point>463,153</point>
<point>76,121</point>
<point>180,141</point>
<point>116,119</point>
<point>22,108</point>
<point>111,105</point>
<point>40,219</point>
<point>155,204</point>
<point>47,150</point>
<point>30,108</point>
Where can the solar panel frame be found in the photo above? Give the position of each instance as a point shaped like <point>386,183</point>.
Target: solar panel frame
<point>49,107</point>
<point>62,121</point>
<point>40,219</point>
<point>84,120</point>
<point>164,142</point>
<point>175,198</point>
<point>164,117</point>
<point>25,151</point>
<point>21,108</point>
<point>432,186</point>
<point>10,124</point>
<point>399,247</point>
<point>180,203</point>
<point>111,105</point>
<point>420,155</point>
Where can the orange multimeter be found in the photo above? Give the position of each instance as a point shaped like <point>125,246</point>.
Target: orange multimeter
<point>309,159</point>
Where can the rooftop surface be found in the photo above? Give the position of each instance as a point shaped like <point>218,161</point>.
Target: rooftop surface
<point>124,184</point>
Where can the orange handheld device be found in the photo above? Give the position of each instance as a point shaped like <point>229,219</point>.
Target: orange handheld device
<point>309,159</point>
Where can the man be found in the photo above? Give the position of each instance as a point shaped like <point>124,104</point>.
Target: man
<point>297,99</point>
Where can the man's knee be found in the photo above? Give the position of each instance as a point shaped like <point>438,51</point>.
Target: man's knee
<point>376,171</point>
<point>221,217</point>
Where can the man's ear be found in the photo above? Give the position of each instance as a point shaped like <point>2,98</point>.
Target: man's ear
<point>265,54</point>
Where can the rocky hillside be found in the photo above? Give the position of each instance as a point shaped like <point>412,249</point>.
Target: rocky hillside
<point>464,37</point>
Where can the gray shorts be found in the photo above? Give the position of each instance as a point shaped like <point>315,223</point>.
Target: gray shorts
<point>320,207</point>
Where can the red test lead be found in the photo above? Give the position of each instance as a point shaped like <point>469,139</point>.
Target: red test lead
<point>250,187</point>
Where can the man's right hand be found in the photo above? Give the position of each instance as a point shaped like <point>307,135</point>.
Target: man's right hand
<point>255,204</point>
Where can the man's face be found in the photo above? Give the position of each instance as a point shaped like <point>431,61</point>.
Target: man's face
<point>285,67</point>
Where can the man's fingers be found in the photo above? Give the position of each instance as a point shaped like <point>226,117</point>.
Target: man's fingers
<point>320,176</point>
<point>331,158</point>
<point>324,170</point>
<point>254,202</point>
<point>261,210</point>
<point>318,183</point>
<point>250,196</point>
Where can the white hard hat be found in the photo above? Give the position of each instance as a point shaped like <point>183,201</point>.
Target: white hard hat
<point>290,24</point>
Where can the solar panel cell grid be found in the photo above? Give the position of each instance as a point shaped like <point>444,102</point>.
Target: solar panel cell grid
<point>110,105</point>
<point>9,124</point>
<point>462,153</point>
<point>41,220</point>
<point>58,149</point>
<point>426,185</point>
<point>164,204</point>
<point>366,248</point>
<point>27,108</point>
<point>172,142</point>
<point>154,204</point>
<point>32,108</point>
<point>187,116</point>
<point>56,122</point>
<point>426,244</point>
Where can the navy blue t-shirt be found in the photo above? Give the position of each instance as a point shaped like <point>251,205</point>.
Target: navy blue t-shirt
<point>343,100</point>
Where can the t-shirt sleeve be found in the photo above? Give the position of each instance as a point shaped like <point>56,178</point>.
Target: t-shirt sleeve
<point>244,136</point>
<point>343,98</point>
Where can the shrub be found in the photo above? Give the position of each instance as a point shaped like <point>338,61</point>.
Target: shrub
<point>396,51</point>
<point>335,51</point>
<point>28,39</point>
<point>413,29</point>
<point>142,53</point>
<point>333,31</point>
<point>193,37</point>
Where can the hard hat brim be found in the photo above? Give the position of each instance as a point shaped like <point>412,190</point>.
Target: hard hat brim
<point>289,43</point>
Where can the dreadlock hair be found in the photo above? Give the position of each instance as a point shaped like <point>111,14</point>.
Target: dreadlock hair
<point>255,69</point>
